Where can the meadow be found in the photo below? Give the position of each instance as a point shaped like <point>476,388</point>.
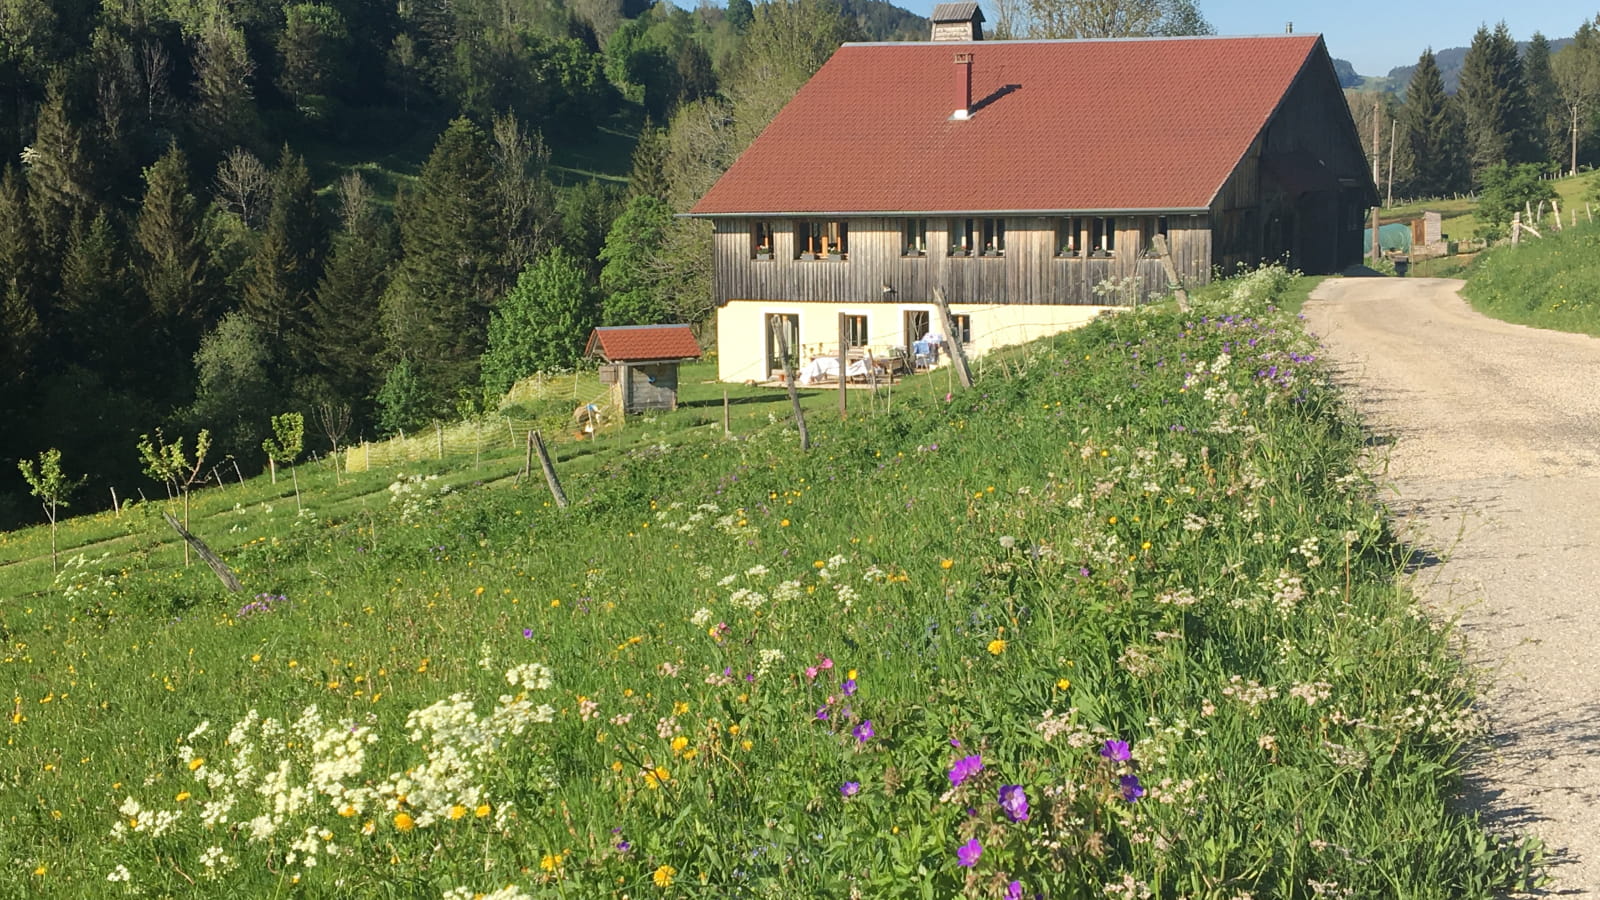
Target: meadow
<point>1124,620</point>
<point>1550,282</point>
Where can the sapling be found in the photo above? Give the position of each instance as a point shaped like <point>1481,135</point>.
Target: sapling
<point>288,439</point>
<point>168,464</point>
<point>47,482</point>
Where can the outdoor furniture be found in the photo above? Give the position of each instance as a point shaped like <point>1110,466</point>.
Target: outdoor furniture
<point>921,355</point>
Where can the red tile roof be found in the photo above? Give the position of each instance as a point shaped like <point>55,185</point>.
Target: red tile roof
<point>642,343</point>
<point>1057,126</point>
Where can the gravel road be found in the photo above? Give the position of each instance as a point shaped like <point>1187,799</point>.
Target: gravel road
<point>1493,452</point>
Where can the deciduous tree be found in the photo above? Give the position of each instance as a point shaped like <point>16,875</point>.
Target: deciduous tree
<point>542,324</point>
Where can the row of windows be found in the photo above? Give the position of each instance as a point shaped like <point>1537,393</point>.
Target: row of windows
<point>1074,237</point>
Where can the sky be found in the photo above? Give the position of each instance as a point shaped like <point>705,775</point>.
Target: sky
<point>1377,35</point>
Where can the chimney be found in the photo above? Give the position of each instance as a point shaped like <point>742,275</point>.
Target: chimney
<point>1288,28</point>
<point>963,86</point>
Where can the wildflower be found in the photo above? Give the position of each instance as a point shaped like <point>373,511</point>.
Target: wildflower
<point>1131,788</point>
<point>120,873</point>
<point>849,687</point>
<point>1014,801</point>
<point>864,732</point>
<point>967,854</point>
<point>965,768</point>
<point>678,743</point>
<point>1063,684</point>
<point>997,646</point>
<point>527,632</point>
<point>182,796</point>
<point>196,763</point>
<point>404,822</point>
<point>482,811</point>
<point>1116,751</point>
<point>946,563</point>
<point>850,788</point>
<point>822,713</point>
<point>1014,891</point>
<point>457,812</point>
<point>663,876</point>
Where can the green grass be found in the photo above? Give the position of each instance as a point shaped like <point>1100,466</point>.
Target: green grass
<point>765,665</point>
<point>1459,218</point>
<point>1553,282</point>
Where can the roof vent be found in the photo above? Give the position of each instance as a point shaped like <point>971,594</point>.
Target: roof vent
<point>957,22</point>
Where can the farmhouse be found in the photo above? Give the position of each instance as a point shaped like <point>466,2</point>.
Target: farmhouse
<point>1026,179</point>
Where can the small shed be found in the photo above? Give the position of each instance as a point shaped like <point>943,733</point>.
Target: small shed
<point>641,363</point>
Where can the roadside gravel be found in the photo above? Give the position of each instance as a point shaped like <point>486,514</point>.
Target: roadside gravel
<point>1490,434</point>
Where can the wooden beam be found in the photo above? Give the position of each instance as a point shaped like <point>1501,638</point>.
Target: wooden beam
<point>225,574</point>
<point>1159,242</point>
<point>549,469</point>
<point>788,379</point>
<point>948,324</point>
<point>844,359</point>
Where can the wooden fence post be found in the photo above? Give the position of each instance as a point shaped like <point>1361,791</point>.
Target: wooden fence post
<point>727,427</point>
<point>788,379</point>
<point>438,431</point>
<point>948,324</point>
<point>844,359</point>
<point>225,574</point>
<point>549,470</point>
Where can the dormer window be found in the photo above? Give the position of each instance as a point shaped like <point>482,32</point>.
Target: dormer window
<point>821,239</point>
<point>761,239</point>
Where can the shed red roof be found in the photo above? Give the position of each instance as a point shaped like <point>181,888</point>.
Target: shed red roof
<point>641,343</point>
<point>1056,126</point>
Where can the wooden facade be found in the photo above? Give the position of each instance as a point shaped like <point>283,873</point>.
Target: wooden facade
<point>642,387</point>
<point>1031,271</point>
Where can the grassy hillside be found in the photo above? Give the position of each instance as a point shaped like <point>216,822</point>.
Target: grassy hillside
<point>1121,618</point>
<point>1460,221</point>
<point>1550,283</point>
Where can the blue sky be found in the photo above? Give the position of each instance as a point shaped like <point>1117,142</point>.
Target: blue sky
<point>1377,35</point>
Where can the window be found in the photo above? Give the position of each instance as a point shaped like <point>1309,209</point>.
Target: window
<point>961,237</point>
<point>761,239</point>
<point>1149,228</point>
<point>1069,235</point>
<point>914,237</point>
<point>855,330</point>
<point>1103,236</point>
<point>790,325</point>
<point>821,239</point>
<point>994,237</point>
<point>963,324</point>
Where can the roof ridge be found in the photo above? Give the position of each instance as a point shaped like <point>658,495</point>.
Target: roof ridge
<point>1152,38</point>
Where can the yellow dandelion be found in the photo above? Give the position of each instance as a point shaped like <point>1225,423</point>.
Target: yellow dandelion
<point>946,563</point>
<point>404,822</point>
<point>482,811</point>
<point>42,869</point>
<point>196,763</point>
<point>182,796</point>
<point>997,646</point>
<point>550,862</point>
<point>680,708</point>
<point>734,728</point>
<point>347,811</point>
<point>678,743</point>
<point>616,765</point>
<point>457,812</point>
<point>784,523</point>
<point>663,876</point>
<point>1062,684</point>
<point>745,745</point>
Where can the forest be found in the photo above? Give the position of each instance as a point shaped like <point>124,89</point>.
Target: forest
<point>216,211</point>
<point>1518,112</point>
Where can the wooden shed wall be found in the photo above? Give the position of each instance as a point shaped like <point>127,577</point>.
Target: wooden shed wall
<point>1030,273</point>
<point>648,386</point>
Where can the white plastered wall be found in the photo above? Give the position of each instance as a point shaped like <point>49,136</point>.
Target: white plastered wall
<point>742,328</point>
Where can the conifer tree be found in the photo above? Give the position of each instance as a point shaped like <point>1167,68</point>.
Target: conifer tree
<point>1434,133</point>
<point>630,281</point>
<point>224,114</point>
<point>1547,128</point>
<point>100,320</point>
<point>436,309</point>
<point>285,266</point>
<point>1494,97</point>
<point>344,315</point>
<point>20,332</point>
<point>60,177</point>
<point>170,259</point>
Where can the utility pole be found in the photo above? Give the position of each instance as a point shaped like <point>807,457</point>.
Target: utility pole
<point>1377,247</point>
<point>1394,129</point>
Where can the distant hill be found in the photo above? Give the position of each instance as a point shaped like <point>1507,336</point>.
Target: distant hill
<point>1450,65</point>
<point>883,21</point>
<point>1347,73</point>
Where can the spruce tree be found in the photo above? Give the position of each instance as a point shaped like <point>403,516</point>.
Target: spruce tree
<point>101,321</point>
<point>436,310</point>
<point>20,332</point>
<point>1432,127</point>
<point>60,176</point>
<point>1548,130</point>
<point>170,256</point>
<point>344,315</point>
<point>286,264</point>
<point>1494,97</point>
<point>224,114</point>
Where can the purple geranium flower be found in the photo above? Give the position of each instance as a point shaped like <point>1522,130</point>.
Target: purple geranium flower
<point>850,788</point>
<point>1131,788</point>
<point>864,732</point>
<point>1014,891</point>
<point>822,712</point>
<point>967,854</point>
<point>965,767</point>
<point>527,632</point>
<point>1014,800</point>
<point>849,687</point>
<point>1116,751</point>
